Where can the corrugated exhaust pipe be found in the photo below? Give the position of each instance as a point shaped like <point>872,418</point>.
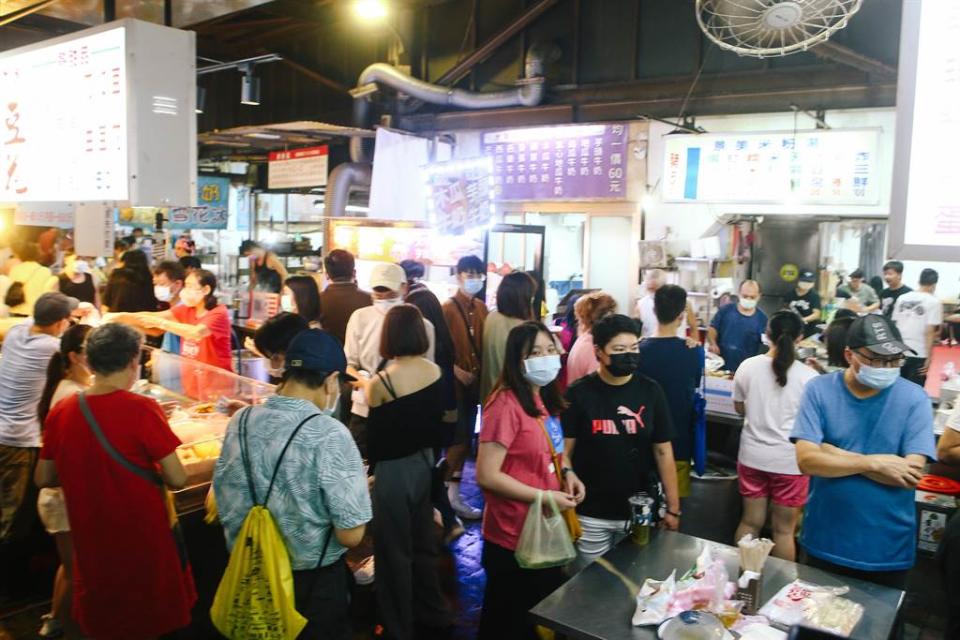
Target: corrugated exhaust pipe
<point>345,179</point>
<point>528,93</point>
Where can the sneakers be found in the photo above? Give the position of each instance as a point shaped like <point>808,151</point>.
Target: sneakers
<point>464,510</point>
<point>363,575</point>
<point>51,627</point>
<point>454,532</point>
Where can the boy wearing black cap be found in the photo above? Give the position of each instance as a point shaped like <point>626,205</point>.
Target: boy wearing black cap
<point>805,301</point>
<point>320,499</point>
<point>864,435</point>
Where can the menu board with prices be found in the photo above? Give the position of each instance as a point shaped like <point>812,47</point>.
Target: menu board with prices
<point>460,195</point>
<point>64,121</point>
<point>577,162</point>
<point>824,167</point>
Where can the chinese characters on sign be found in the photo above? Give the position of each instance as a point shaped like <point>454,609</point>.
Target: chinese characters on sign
<point>460,195</point>
<point>297,168</point>
<point>55,149</point>
<point>833,167</point>
<point>39,214</point>
<point>559,163</point>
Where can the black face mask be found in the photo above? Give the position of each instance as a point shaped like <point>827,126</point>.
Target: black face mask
<point>623,364</point>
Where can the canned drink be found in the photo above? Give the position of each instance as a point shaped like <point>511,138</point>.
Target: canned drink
<point>641,508</point>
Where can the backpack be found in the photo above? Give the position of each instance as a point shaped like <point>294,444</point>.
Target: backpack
<point>255,598</point>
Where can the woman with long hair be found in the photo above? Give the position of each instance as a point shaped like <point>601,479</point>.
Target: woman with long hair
<point>67,374</point>
<point>302,297</point>
<point>406,407</point>
<point>767,392</point>
<point>513,465</point>
<point>429,306</point>
<point>130,285</point>
<point>514,307</point>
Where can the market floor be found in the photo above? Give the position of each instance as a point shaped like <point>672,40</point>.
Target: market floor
<point>461,575</point>
<point>462,580</point>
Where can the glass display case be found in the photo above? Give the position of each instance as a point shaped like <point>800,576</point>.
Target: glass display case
<point>193,395</point>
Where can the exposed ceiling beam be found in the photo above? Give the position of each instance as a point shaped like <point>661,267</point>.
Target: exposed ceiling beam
<point>488,48</point>
<point>313,74</point>
<point>835,52</point>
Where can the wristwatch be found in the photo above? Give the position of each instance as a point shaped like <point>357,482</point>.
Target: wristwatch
<point>565,470</point>
<point>675,515</point>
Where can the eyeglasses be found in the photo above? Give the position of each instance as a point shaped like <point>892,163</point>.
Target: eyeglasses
<point>882,363</point>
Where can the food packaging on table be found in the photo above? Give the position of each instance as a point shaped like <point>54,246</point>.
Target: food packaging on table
<point>814,606</point>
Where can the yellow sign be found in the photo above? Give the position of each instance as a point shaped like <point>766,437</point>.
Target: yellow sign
<point>789,272</point>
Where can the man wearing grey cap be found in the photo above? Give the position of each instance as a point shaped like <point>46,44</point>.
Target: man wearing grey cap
<point>27,349</point>
<point>864,434</point>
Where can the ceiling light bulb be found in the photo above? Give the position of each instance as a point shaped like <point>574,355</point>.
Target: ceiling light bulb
<point>370,10</point>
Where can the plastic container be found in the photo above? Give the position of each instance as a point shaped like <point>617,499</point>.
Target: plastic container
<point>692,625</point>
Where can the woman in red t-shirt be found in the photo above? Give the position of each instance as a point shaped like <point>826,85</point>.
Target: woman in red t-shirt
<point>514,463</point>
<point>130,581</point>
<point>204,328</point>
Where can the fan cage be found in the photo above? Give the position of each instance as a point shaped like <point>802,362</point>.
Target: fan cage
<point>747,34</point>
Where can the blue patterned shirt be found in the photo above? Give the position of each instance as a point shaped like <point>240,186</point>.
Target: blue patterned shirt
<point>321,479</point>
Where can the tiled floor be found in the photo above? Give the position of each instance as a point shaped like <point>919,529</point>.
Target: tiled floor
<point>463,581</point>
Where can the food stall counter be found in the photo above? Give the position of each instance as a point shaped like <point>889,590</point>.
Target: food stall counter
<point>599,602</point>
<point>191,393</point>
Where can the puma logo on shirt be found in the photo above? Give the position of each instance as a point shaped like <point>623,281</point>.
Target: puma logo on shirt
<point>609,427</point>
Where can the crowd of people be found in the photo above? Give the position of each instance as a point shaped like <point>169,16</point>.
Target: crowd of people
<point>377,404</point>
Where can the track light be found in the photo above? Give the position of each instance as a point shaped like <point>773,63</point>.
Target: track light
<point>249,87</point>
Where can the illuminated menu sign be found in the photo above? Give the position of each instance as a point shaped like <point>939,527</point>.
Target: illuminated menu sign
<point>577,162</point>
<point>925,202</point>
<point>63,107</point>
<point>828,167</point>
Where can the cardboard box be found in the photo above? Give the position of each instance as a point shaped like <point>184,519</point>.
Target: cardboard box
<point>933,511</point>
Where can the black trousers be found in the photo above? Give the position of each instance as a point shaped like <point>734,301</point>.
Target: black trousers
<point>911,371</point>
<point>322,596</point>
<point>949,557</point>
<point>510,594</point>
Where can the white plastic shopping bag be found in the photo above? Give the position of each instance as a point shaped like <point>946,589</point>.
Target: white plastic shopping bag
<point>545,539</point>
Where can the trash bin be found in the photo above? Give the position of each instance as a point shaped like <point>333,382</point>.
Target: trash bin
<point>714,507</point>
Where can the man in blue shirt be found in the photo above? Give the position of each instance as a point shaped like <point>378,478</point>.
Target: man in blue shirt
<point>736,330</point>
<point>864,434</point>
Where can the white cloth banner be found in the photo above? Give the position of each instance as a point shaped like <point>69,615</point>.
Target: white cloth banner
<point>397,189</point>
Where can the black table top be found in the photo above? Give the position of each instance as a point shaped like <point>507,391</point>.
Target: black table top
<point>599,602</point>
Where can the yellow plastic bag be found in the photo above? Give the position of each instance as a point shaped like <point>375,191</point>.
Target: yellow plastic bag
<point>255,599</point>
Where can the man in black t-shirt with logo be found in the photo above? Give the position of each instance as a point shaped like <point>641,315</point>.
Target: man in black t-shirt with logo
<point>617,432</point>
<point>893,276</point>
<point>805,301</point>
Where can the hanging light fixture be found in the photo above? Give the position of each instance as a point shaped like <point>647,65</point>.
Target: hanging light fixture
<point>249,86</point>
<point>371,11</point>
<point>201,99</point>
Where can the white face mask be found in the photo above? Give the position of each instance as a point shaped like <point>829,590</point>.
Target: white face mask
<point>383,306</point>
<point>162,293</point>
<point>472,286</point>
<point>541,370</point>
<point>81,266</point>
<point>748,304</point>
<point>276,372</point>
<point>805,286</point>
<point>287,304</point>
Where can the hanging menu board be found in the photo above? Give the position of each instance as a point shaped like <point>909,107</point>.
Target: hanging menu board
<point>925,202</point>
<point>460,195</point>
<point>577,162</point>
<point>823,167</point>
<point>65,121</point>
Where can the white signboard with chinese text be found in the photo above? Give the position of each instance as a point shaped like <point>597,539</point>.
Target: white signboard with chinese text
<point>105,114</point>
<point>44,214</point>
<point>297,168</point>
<point>925,200</point>
<point>822,167</point>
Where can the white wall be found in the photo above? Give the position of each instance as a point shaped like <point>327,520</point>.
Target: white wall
<point>681,222</point>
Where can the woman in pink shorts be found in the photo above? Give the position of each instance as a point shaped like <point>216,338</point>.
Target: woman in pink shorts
<point>767,391</point>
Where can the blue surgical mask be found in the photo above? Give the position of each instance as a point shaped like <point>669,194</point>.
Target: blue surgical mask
<point>334,409</point>
<point>748,304</point>
<point>877,377</point>
<point>472,286</point>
